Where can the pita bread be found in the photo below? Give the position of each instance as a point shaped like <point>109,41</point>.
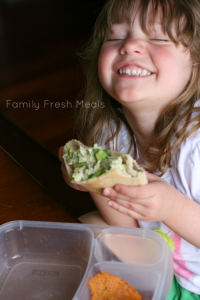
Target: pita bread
<point>136,176</point>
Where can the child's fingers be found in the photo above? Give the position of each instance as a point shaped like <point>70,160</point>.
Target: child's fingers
<point>78,187</point>
<point>65,174</point>
<point>138,207</point>
<point>124,210</point>
<point>135,192</point>
<point>60,153</point>
<point>128,193</point>
<point>112,194</point>
<point>115,195</point>
<point>152,177</point>
<point>126,200</point>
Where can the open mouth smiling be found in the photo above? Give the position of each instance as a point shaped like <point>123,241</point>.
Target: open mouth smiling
<point>133,70</point>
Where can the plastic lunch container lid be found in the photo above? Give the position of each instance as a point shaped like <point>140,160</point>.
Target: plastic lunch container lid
<point>137,255</point>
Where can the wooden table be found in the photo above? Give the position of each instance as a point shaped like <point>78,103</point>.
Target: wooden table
<point>31,182</point>
<point>23,198</point>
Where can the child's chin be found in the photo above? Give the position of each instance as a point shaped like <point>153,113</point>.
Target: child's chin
<point>129,99</point>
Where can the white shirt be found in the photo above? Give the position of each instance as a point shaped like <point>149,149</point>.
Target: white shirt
<point>186,179</point>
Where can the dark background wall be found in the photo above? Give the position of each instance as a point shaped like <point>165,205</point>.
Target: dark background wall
<point>39,41</point>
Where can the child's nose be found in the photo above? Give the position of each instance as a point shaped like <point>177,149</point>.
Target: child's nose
<point>132,46</point>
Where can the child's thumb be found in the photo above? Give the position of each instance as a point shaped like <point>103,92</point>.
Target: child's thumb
<point>151,177</point>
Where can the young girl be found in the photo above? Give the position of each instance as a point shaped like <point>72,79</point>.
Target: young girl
<point>143,81</point>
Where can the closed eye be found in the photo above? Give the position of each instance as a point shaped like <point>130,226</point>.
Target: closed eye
<point>160,40</point>
<point>117,39</point>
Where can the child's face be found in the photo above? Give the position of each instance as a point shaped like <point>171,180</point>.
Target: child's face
<point>166,69</point>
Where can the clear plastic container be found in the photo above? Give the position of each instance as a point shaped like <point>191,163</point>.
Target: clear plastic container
<point>53,261</point>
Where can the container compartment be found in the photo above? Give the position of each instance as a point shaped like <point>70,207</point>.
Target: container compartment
<point>42,260</point>
<point>144,280</point>
<point>129,247</point>
<point>139,256</point>
<point>41,281</point>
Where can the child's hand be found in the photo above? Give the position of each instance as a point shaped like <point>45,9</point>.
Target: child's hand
<point>66,175</point>
<point>154,201</point>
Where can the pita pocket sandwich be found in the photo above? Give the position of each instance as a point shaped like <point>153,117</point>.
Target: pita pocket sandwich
<point>95,168</point>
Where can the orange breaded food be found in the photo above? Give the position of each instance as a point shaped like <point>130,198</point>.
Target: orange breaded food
<point>105,286</point>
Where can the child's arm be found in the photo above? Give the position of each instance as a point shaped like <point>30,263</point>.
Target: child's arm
<point>159,201</point>
<point>112,217</point>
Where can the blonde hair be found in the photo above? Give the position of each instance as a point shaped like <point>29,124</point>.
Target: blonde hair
<point>177,116</point>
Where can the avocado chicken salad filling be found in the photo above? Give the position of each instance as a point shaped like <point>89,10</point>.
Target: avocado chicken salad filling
<point>92,162</point>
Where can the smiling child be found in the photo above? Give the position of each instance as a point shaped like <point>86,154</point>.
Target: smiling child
<point>143,63</point>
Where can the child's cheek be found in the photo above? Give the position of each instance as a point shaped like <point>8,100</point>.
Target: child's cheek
<point>104,66</point>
<point>163,58</point>
<point>105,57</point>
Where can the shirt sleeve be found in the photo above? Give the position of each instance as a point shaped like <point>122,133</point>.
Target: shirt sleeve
<point>193,173</point>
<point>186,178</point>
